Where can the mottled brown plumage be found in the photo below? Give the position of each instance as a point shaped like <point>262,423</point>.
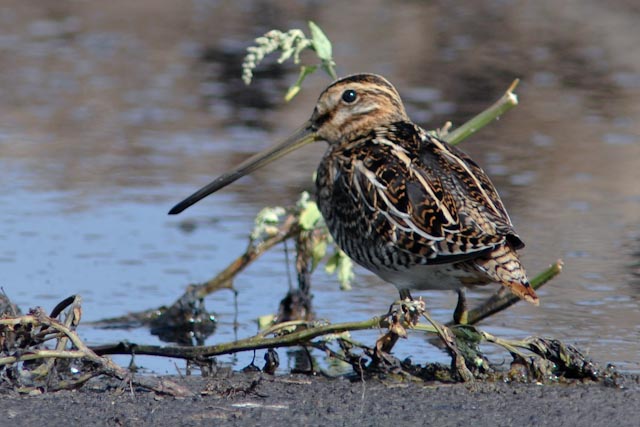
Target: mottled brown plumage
<point>411,208</point>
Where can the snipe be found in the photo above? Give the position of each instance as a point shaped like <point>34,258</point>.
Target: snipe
<point>411,208</point>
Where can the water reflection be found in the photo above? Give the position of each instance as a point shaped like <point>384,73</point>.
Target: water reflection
<point>227,97</point>
<point>109,114</point>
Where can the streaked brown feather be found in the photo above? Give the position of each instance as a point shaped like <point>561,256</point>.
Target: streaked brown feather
<point>409,182</point>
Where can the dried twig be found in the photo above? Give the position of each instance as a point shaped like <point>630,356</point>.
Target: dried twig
<point>36,328</point>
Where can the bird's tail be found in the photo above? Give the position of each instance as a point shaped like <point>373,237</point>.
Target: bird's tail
<point>502,265</point>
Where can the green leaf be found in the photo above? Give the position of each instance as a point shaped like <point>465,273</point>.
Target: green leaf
<point>309,216</point>
<point>305,70</point>
<point>265,321</point>
<point>318,252</point>
<point>328,66</point>
<point>292,92</point>
<point>332,263</point>
<point>321,43</point>
<point>270,215</point>
<point>345,272</point>
<point>266,222</point>
<point>341,264</point>
<point>468,333</point>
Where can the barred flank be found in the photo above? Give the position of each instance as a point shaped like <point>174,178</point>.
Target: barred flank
<point>502,265</point>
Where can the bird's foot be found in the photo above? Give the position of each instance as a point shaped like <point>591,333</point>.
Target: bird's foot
<point>410,310</point>
<point>402,314</point>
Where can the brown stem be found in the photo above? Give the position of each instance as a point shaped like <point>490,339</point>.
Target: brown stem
<point>258,342</point>
<point>224,278</point>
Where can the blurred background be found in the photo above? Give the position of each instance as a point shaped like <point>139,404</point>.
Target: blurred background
<point>112,112</point>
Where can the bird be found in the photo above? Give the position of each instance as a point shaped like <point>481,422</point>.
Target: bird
<point>399,201</point>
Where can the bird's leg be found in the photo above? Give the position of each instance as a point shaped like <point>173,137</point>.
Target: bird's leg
<point>405,294</point>
<point>461,313</point>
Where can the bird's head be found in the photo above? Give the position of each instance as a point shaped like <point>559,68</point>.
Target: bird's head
<point>352,105</point>
<point>355,105</point>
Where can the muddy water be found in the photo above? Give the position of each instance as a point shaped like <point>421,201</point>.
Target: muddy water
<point>110,114</point>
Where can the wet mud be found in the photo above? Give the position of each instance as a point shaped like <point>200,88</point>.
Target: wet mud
<point>254,399</point>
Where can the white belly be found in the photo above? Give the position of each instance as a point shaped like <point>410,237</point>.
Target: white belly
<point>429,277</point>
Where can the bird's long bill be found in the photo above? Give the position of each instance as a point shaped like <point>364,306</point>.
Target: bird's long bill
<point>302,137</point>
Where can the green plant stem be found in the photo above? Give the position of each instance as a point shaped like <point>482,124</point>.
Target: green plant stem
<point>257,342</point>
<point>504,104</point>
<point>512,346</point>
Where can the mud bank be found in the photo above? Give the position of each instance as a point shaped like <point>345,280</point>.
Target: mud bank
<point>231,399</point>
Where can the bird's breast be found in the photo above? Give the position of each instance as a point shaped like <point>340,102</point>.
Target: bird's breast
<point>358,229</point>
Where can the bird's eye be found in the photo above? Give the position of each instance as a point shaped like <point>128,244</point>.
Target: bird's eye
<point>349,96</point>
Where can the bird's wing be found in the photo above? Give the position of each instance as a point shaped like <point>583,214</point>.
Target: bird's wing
<point>430,197</point>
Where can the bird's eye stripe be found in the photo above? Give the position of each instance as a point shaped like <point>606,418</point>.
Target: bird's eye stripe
<point>321,120</point>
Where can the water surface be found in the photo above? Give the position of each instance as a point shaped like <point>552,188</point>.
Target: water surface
<point>111,113</point>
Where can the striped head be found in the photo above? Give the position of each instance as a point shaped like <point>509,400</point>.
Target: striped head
<point>355,104</point>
